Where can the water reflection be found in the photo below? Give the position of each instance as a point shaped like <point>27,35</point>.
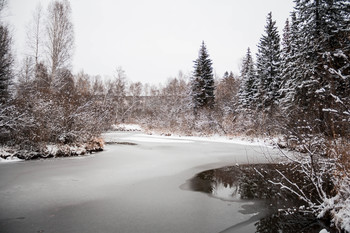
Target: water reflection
<point>281,211</point>
<point>225,191</point>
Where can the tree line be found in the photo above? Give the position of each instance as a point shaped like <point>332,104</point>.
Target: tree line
<point>297,86</point>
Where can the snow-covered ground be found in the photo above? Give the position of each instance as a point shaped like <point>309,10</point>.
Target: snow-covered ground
<point>157,137</point>
<point>127,127</point>
<point>10,159</point>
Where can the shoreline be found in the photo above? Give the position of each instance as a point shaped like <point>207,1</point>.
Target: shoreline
<point>13,154</point>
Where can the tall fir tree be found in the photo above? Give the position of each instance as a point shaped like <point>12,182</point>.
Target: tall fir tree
<point>268,65</point>
<point>320,63</point>
<point>249,86</point>
<point>288,67</point>
<point>202,83</point>
<point>6,58</point>
<point>286,39</point>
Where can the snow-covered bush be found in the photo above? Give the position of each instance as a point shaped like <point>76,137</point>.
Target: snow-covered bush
<point>62,113</point>
<point>326,186</point>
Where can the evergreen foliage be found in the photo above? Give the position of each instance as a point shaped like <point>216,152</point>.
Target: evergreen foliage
<point>202,82</point>
<point>268,65</point>
<point>6,62</point>
<point>319,69</point>
<point>288,70</point>
<point>249,86</point>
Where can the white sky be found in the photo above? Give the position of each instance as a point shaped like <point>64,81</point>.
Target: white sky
<point>153,39</point>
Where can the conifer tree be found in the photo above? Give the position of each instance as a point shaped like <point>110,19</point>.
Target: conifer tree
<point>320,63</point>
<point>249,88</point>
<point>288,67</point>
<point>6,63</point>
<point>286,39</point>
<point>268,65</point>
<point>202,82</point>
<point>6,58</point>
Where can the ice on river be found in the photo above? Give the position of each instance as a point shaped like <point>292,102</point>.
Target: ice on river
<point>126,188</point>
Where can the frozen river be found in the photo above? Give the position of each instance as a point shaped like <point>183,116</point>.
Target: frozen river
<point>126,188</point>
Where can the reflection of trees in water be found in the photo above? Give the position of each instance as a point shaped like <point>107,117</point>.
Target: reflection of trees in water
<point>290,223</point>
<point>224,190</point>
<point>289,213</point>
<point>254,181</point>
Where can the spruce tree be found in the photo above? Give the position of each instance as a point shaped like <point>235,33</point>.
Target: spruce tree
<point>289,70</point>
<point>249,86</point>
<point>286,39</point>
<point>268,65</point>
<point>320,64</point>
<point>6,62</point>
<point>202,82</point>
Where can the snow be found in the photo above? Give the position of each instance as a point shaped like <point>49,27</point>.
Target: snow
<point>52,149</point>
<point>324,231</point>
<point>127,127</point>
<point>343,215</point>
<point>232,140</point>
<point>6,156</point>
<point>329,110</point>
<point>321,90</point>
<point>191,139</point>
<point>4,152</point>
<point>78,150</point>
<point>188,139</point>
<point>10,159</point>
<point>158,138</point>
<point>341,205</point>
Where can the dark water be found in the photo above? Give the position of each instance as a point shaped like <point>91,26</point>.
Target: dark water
<point>281,211</point>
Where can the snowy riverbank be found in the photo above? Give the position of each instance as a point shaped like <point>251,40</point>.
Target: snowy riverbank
<point>14,154</point>
<point>159,135</point>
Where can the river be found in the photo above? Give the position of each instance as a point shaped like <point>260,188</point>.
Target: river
<point>127,188</point>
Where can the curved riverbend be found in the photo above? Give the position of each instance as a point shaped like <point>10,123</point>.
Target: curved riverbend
<point>126,188</point>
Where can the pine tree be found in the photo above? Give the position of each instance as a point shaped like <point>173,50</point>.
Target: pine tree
<point>249,85</point>
<point>268,65</point>
<point>202,82</point>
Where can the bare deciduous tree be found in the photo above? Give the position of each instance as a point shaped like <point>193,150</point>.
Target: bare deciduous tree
<point>83,84</point>
<point>34,34</point>
<point>60,33</point>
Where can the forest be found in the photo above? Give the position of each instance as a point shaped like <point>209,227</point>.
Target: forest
<point>296,88</point>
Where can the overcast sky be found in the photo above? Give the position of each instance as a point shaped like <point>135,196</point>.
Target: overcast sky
<point>153,39</point>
